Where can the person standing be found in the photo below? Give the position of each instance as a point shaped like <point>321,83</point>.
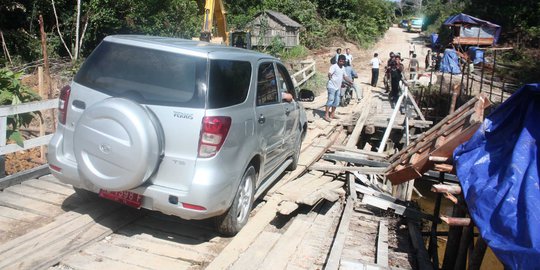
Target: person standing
<point>335,59</point>
<point>336,75</point>
<point>375,63</point>
<point>412,49</point>
<point>348,56</point>
<point>414,66</point>
<point>396,75</point>
<point>351,74</point>
<point>428,59</point>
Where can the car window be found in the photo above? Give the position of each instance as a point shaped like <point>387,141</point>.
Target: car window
<point>229,83</point>
<point>284,81</point>
<point>146,75</point>
<point>267,92</point>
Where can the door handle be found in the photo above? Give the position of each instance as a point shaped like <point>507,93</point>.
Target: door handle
<point>261,119</point>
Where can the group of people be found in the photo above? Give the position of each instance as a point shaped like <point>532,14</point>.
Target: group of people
<point>342,72</point>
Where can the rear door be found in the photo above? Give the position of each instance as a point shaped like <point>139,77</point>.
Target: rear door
<point>270,115</point>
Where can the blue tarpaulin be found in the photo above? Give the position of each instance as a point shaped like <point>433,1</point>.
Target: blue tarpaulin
<point>434,40</point>
<point>476,55</point>
<point>450,62</point>
<point>498,171</point>
<point>475,27</point>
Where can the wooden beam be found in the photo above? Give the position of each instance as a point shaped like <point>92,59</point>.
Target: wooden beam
<point>382,244</point>
<point>334,168</point>
<point>336,250</point>
<point>443,188</point>
<point>456,221</point>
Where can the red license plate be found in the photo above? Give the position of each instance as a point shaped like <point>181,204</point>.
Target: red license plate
<point>124,197</point>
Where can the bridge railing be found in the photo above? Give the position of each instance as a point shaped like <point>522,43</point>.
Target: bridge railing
<point>8,110</point>
<point>305,73</point>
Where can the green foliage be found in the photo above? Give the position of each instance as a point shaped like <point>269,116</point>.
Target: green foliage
<point>295,52</point>
<point>437,11</point>
<point>276,47</point>
<point>12,92</point>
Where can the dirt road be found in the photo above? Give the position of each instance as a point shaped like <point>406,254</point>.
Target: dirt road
<point>395,40</point>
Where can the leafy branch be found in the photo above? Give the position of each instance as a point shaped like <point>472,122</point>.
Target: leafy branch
<point>12,92</point>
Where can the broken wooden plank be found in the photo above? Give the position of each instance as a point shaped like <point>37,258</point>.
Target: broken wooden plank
<point>351,158</point>
<point>371,154</point>
<point>287,207</point>
<point>334,168</point>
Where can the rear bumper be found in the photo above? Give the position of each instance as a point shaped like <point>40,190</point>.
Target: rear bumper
<point>215,195</point>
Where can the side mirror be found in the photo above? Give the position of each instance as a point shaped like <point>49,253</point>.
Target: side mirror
<point>306,95</point>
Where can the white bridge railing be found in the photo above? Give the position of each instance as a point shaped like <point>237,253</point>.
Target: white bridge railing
<point>307,71</point>
<point>8,110</point>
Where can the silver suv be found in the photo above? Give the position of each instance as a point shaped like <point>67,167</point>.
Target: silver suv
<point>187,128</point>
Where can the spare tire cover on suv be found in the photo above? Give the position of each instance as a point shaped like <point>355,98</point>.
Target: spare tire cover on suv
<point>117,144</point>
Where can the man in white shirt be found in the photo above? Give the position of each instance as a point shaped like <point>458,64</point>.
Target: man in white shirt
<point>348,56</point>
<point>336,75</point>
<point>412,49</point>
<point>375,63</point>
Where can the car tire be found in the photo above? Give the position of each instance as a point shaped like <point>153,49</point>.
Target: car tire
<point>230,223</point>
<point>85,195</point>
<point>296,155</point>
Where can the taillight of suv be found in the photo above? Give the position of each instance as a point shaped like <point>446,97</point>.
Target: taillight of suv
<point>213,133</point>
<point>63,101</point>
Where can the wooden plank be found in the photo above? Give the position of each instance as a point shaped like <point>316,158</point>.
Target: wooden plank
<point>365,103</point>
<point>85,261</point>
<point>164,248</point>
<point>244,238</point>
<point>47,185</point>
<point>165,232</point>
<point>29,205</point>
<point>382,244</point>
<point>18,214</point>
<point>283,250</point>
<point>445,188</point>
<point>132,256</point>
<point>318,238</point>
<point>287,207</point>
<point>37,194</point>
<point>52,179</point>
<point>340,156</point>
<point>22,176</point>
<point>339,240</point>
<point>373,155</point>
<point>256,253</point>
<point>46,249</point>
<point>62,222</point>
<point>334,168</point>
<point>317,194</point>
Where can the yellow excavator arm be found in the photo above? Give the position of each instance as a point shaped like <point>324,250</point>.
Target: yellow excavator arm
<point>214,10</point>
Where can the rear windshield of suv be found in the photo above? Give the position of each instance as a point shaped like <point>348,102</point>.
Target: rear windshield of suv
<point>145,75</point>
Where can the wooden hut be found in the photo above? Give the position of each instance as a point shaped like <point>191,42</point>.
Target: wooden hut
<point>270,24</point>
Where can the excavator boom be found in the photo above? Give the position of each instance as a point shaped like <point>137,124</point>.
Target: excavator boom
<point>214,10</point>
